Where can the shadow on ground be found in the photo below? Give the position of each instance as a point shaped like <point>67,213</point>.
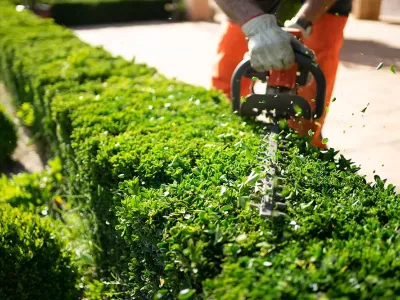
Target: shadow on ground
<point>118,25</point>
<point>369,53</point>
<point>12,168</point>
<point>29,156</point>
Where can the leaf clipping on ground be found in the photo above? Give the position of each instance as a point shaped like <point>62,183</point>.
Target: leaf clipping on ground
<point>365,108</point>
<point>379,66</point>
<point>392,68</point>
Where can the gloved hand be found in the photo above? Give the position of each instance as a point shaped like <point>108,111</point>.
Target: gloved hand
<point>269,45</point>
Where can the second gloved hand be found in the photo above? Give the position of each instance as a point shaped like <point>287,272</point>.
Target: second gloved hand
<point>269,45</point>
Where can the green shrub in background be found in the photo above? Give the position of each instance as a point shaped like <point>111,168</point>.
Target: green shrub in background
<point>86,12</point>
<point>164,166</point>
<point>8,137</point>
<point>37,192</point>
<point>33,260</point>
<point>44,195</point>
<point>97,12</point>
<point>26,114</point>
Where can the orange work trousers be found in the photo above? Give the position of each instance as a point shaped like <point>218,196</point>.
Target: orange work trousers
<point>326,41</point>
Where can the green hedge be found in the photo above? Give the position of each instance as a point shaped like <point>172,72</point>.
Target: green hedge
<point>88,12</point>
<point>8,137</point>
<point>33,261</point>
<point>109,12</point>
<point>166,164</point>
<point>341,241</point>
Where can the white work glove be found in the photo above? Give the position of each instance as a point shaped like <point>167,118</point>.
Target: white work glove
<point>269,45</point>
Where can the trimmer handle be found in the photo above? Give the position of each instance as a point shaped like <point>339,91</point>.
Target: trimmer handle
<point>304,61</point>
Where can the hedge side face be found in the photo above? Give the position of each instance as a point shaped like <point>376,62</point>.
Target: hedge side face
<point>166,166</point>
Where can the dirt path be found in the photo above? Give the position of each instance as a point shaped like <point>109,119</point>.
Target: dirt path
<point>25,157</point>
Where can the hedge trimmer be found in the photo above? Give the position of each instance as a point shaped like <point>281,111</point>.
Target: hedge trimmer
<point>280,102</point>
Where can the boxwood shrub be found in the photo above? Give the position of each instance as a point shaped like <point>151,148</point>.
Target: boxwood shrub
<point>44,195</point>
<point>34,263</point>
<point>165,167</point>
<point>8,137</point>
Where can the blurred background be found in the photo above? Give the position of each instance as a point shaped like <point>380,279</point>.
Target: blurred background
<point>179,37</point>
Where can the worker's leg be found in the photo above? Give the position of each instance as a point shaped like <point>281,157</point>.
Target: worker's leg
<point>230,52</point>
<point>326,41</point>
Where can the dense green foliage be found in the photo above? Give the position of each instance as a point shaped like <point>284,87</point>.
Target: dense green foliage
<point>164,165</point>
<point>41,198</point>
<point>341,240</point>
<point>97,12</point>
<point>33,261</point>
<point>42,193</point>
<point>8,137</point>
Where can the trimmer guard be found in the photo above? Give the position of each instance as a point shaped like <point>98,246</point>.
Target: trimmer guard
<point>278,106</point>
<point>260,101</point>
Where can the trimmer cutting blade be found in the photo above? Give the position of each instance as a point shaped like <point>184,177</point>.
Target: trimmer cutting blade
<point>280,102</point>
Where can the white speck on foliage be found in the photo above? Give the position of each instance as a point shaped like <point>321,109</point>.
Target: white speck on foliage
<point>267,264</point>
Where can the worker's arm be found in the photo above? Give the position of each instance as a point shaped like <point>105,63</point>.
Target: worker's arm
<point>309,13</point>
<point>269,45</point>
<point>312,10</point>
<point>240,10</point>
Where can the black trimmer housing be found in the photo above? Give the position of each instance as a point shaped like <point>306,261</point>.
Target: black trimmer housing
<point>279,102</point>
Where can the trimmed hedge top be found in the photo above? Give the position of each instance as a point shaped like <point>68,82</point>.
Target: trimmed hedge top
<point>166,166</point>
